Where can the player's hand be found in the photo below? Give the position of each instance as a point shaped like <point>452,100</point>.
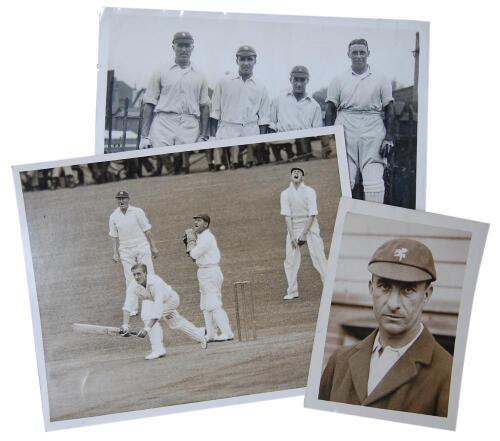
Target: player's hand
<point>116,258</point>
<point>386,147</point>
<point>294,244</point>
<point>202,138</point>
<point>302,239</point>
<point>142,333</point>
<point>125,330</point>
<point>145,143</point>
<point>154,252</point>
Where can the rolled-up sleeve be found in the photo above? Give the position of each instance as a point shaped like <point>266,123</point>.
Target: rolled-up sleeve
<point>215,112</point>
<point>264,112</point>
<point>153,90</point>
<point>317,117</point>
<point>312,207</point>
<point>285,206</point>
<point>113,231</point>
<point>143,220</point>
<point>333,92</point>
<point>386,93</point>
<point>204,98</point>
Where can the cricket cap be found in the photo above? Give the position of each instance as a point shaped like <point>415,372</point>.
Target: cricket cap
<point>405,260</point>
<point>246,51</point>
<point>299,169</point>
<point>300,71</point>
<point>122,194</point>
<point>184,37</point>
<point>203,216</point>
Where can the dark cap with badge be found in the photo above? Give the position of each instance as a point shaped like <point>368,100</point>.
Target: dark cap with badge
<point>203,216</point>
<point>299,169</point>
<point>122,195</point>
<point>245,51</point>
<point>405,260</point>
<point>300,71</point>
<point>182,37</point>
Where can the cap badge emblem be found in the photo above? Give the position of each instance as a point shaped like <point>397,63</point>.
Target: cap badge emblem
<point>401,253</point>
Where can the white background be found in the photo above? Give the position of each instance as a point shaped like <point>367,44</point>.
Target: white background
<point>48,89</point>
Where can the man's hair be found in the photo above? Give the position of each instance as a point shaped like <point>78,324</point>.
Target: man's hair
<point>143,267</point>
<point>358,41</point>
<point>427,282</point>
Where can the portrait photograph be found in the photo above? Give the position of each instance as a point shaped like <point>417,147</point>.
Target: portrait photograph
<point>153,292</point>
<point>394,314</point>
<point>168,78</point>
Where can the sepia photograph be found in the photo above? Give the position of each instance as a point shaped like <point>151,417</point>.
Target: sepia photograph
<point>168,78</point>
<point>152,291</point>
<point>388,344</point>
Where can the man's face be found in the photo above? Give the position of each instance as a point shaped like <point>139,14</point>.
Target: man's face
<point>246,64</point>
<point>398,305</point>
<point>358,53</point>
<point>199,225</point>
<point>297,177</point>
<point>123,203</point>
<point>183,50</point>
<point>140,276</point>
<point>299,84</point>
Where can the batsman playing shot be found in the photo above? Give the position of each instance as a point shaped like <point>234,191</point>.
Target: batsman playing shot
<point>298,206</point>
<point>159,301</point>
<point>201,245</point>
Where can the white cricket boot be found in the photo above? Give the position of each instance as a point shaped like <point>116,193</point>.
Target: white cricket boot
<point>155,354</point>
<point>291,295</point>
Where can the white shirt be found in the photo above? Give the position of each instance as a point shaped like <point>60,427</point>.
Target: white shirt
<point>156,290</point>
<point>298,202</point>
<point>206,253</point>
<point>177,90</point>
<point>241,102</point>
<point>368,92</point>
<point>288,114</point>
<point>384,358</point>
<point>129,228</point>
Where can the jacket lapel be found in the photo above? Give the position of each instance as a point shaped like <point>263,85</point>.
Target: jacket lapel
<point>405,368</point>
<point>359,366</point>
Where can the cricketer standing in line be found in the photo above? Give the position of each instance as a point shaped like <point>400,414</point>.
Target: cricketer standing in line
<point>176,108</point>
<point>159,301</point>
<point>361,100</point>
<point>240,106</point>
<point>201,245</point>
<point>130,232</point>
<point>298,206</point>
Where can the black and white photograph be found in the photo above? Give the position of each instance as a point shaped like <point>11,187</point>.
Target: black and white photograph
<point>168,292</point>
<point>393,322</point>
<point>168,78</point>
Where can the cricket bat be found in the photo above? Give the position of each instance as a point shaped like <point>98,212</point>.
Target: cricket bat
<point>83,328</point>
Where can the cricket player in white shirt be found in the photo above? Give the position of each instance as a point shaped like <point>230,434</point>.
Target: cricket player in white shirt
<point>176,109</point>
<point>130,232</point>
<point>240,105</point>
<point>159,301</point>
<point>361,101</point>
<point>202,247</point>
<point>298,206</point>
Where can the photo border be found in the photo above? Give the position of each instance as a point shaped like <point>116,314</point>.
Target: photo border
<point>478,232</point>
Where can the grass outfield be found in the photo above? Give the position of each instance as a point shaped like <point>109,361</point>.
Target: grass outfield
<point>76,281</point>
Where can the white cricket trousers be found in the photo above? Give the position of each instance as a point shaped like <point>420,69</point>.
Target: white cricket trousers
<point>293,256</point>
<point>227,130</point>
<point>174,320</point>
<point>364,133</point>
<point>210,281</point>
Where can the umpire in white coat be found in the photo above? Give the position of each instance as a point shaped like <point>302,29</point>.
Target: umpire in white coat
<point>298,206</point>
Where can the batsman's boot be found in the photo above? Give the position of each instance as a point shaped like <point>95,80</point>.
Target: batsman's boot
<point>156,354</point>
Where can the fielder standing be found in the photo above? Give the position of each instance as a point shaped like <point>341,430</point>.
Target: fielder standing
<point>130,232</point>
<point>361,101</point>
<point>176,106</point>
<point>240,105</point>
<point>202,247</point>
<point>298,206</point>
<point>159,301</point>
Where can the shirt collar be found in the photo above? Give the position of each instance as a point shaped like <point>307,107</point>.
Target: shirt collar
<point>306,97</point>
<point>238,77</point>
<point>364,74</point>
<point>175,65</point>
<point>300,187</point>
<point>377,346</point>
